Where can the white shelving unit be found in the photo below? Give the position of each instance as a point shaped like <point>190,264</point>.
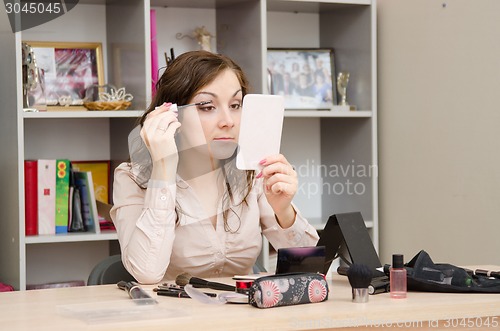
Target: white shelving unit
<point>321,113</point>
<point>76,135</point>
<point>335,153</point>
<point>71,237</point>
<point>312,140</point>
<point>86,114</point>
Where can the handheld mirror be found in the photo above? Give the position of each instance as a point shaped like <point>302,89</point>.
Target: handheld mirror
<point>260,129</point>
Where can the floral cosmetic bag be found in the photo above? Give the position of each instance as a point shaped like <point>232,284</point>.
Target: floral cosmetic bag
<point>288,289</point>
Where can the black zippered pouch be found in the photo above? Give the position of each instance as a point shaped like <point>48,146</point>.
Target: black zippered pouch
<point>426,276</point>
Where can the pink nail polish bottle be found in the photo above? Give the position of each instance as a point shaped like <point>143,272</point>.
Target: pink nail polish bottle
<point>397,277</point>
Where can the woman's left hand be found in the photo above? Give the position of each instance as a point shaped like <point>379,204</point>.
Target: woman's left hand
<point>280,186</point>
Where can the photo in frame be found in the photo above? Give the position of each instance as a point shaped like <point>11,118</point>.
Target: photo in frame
<point>68,69</point>
<point>304,76</point>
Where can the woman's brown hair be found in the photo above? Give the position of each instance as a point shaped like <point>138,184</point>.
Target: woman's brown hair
<point>188,73</point>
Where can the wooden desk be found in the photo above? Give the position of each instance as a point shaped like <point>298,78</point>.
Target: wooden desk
<point>38,310</point>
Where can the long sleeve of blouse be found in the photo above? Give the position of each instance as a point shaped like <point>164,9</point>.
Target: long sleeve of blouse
<point>156,242</point>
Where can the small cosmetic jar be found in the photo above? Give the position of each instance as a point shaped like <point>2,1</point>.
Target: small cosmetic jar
<point>243,286</point>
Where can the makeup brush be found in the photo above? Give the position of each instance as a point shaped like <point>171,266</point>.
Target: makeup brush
<point>360,276</point>
<point>185,278</point>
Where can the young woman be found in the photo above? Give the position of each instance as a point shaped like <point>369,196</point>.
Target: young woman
<point>194,211</point>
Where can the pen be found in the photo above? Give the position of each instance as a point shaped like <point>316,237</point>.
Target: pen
<point>170,293</point>
<point>170,285</point>
<point>176,288</point>
<point>178,293</point>
<point>161,287</point>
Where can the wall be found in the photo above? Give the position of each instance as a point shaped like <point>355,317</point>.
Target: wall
<point>168,25</point>
<point>439,78</point>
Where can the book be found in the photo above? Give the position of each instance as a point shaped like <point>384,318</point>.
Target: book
<point>62,195</point>
<point>30,197</point>
<point>84,183</point>
<point>100,176</point>
<point>75,223</point>
<point>70,204</point>
<point>46,196</point>
<point>93,202</point>
<point>105,222</point>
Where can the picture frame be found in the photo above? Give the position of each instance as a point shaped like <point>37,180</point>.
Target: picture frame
<point>67,70</point>
<point>304,76</point>
<point>101,177</point>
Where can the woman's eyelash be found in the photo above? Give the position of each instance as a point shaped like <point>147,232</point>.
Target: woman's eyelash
<point>210,106</point>
<point>206,107</point>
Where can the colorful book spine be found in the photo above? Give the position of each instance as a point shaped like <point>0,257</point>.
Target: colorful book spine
<point>31,197</point>
<point>93,203</point>
<point>46,196</point>
<point>62,195</point>
<point>84,183</point>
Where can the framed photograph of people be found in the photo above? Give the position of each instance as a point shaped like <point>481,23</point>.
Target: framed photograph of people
<point>67,70</point>
<point>304,76</point>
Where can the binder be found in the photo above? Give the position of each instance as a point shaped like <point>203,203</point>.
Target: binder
<point>31,197</point>
<point>46,196</point>
<point>62,195</point>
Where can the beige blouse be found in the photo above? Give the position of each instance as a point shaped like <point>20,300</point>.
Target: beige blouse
<point>155,245</point>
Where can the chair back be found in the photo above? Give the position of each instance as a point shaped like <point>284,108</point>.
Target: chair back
<point>109,271</point>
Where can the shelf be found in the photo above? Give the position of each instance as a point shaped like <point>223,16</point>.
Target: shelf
<point>71,237</point>
<point>295,6</point>
<point>327,113</point>
<point>319,224</point>
<point>84,114</point>
<point>137,113</point>
<point>206,4</point>
<point>308,6</point>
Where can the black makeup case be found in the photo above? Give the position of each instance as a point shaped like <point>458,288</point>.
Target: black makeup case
<point>426,276</point>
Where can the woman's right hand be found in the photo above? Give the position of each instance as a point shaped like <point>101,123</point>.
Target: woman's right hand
<point>158,133</point>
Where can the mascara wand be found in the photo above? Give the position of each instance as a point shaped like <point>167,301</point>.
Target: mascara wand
<point>202,103</point>
<point>185,278</point>
<point>176,108</point>
<point>360,276</point>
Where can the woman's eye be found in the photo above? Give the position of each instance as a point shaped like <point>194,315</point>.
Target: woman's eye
<point>236,106</point>
<point>206,108</point>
